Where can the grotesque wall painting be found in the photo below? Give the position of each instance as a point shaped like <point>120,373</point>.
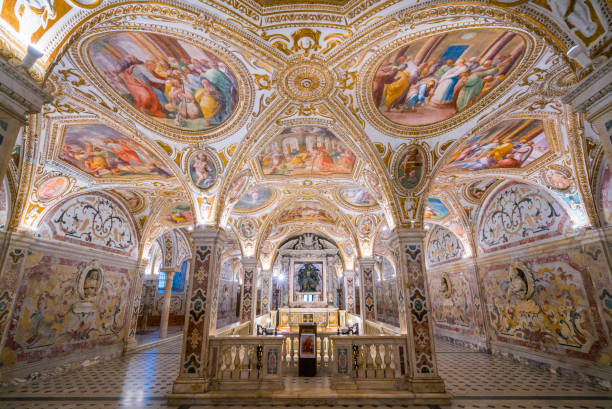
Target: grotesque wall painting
<point>46,317</point>
<point>52,188</point>
<point>253,198</point>
<point>543,303</point>
<point>357,196</point>
<point>304,150</point>
<point>519,214</point>
<point>509,144</point>
<point>410,166</point>
<point>306,212</point>
<point>434,78</point>
<point>180,213</point>
<point>435,209</point>
<point>168,80</point>
<point>452,300</point>
<point>93,220</point>
<point>104,152</point>
<point>605,200</point>
<point>202,170</point>
<point>443,246</point>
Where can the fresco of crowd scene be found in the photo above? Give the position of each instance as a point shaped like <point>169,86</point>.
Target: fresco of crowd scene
<point>432,79</point>
<point>173,81</point>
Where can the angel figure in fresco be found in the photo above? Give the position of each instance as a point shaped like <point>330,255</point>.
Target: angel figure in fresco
<point>204,173</point>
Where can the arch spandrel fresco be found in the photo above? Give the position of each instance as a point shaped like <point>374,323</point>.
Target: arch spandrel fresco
<point>103,152</point>
<point>435,78</point>
<point>173,82</point>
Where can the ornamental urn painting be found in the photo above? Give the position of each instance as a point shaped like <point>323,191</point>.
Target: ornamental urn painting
<point>434,78</point>
<point>171,81</point>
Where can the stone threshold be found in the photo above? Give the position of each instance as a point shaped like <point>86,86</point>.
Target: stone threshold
<point>153,344</point>
<point>310,395</point>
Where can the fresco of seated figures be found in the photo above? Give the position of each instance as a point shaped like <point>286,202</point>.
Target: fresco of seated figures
<point>306,212</point>
<point>306,151</point>
<point>104,152</point>
<point>170,81</point>
<point>253,198</point>
<point>357,196</point>
<point>434,78</point>
<point>510,144</point>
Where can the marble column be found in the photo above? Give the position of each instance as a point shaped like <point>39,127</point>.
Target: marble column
<point>208,243</point>
<point>415,312</point>
<point>247,299</point>
<point>165,315</point>
<point>349,292</point>
<point>20,95</point>
<point>266,291</point>
<point>130,341</point>
<point>367,292</point>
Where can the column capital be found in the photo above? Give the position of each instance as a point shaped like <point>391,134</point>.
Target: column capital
<point>249,263</point>
<point>367,262</point>
<point>408,235</point>
<point>20,94</point>
<point>209,235</point>
<point>593,93</point>
<point>169,271</point>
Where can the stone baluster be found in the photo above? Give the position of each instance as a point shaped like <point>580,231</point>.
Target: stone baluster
<point>208,243</point>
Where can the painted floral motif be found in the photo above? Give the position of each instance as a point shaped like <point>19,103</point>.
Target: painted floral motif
<point>103,152</point>
<point>95,220</point>
<point>509,144</point>
<point>434,78</point>
<point>168,80</point>
<point>305,150</point>
<point>435,209</point>
<point>202,170</point>
<point>518,214</point>
<point>443,246</point>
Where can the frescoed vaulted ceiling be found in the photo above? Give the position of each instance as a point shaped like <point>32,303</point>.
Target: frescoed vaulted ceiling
<point>344,118</point>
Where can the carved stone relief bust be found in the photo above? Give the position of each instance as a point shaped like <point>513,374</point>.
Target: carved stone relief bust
<point>89,282</point>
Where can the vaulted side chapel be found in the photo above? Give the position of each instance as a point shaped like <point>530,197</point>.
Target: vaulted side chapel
<point>381,203</point>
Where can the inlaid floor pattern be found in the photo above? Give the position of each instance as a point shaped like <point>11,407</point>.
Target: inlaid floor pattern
<point>476,380</point>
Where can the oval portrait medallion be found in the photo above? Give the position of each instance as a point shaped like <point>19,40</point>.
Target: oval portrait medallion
<point>202,170</point>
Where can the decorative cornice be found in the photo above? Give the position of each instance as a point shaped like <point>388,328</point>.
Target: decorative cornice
<point>594,89</point>
<point>19,92</point>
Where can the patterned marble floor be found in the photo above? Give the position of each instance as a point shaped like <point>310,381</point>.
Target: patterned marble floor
<point>140,380</point>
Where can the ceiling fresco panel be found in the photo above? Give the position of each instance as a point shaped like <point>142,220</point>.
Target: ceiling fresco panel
<point>306,151</point>
<point>434,78</point>
<point>104,152</point>
<point>168,80</point>
<point>509,144</point>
